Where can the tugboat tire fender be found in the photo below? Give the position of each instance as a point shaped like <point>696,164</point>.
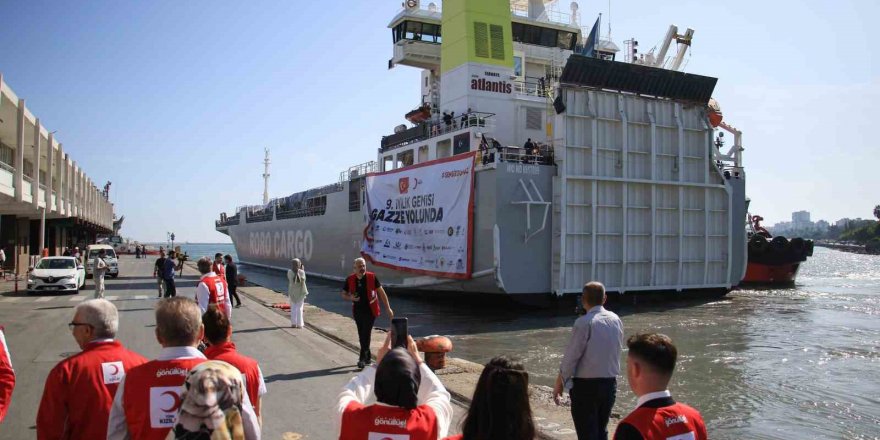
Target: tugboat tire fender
<point>798,245</point>
<point>758,244</point>
<point>779,244</point>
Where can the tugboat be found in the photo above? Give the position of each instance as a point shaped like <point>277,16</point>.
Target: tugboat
<point>773,261</point>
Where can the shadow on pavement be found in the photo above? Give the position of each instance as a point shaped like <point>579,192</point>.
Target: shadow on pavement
<point>308,374</point>
<point>254,330</point>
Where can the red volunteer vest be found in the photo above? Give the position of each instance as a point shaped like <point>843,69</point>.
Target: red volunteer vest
<point>361,422</point>
<point>80,390</point>
<point>677,421</point>
<point>151,397</point>
<point>371,291</point>
<point>7,376</point>
<point>249,368</point>
<point>219,270</point>
<point>217,291</point>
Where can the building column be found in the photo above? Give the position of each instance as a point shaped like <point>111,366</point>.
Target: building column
<point>50,173</point>
<point>35,186</point>
<point>74,191</point>
<point>68,186</point>
<point>19,153</point>
<point>59,190</point>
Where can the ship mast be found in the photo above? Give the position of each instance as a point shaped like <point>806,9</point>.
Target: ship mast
<point>266,179</point>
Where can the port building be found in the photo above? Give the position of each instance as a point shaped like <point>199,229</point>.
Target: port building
<point>47,201</point>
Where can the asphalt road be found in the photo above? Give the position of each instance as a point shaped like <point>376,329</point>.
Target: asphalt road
<point>303,371</point>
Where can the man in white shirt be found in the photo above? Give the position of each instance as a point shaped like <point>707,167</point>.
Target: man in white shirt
<point>99,269</point>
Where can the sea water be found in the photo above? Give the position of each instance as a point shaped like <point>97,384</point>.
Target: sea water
<point>797,363</point>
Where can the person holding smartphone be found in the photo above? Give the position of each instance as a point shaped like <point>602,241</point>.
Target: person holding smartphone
<point>364,291</point>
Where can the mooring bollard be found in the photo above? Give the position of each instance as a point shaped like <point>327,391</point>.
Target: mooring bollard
<point>435,348</point>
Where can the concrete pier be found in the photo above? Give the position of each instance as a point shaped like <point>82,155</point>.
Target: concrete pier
<point>304,368</point>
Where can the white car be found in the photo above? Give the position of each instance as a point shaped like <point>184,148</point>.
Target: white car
<point>109,258</point>
<point>56,274</point>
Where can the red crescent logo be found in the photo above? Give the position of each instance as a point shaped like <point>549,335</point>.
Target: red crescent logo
<point>176,400</point>
<point>115,369</point>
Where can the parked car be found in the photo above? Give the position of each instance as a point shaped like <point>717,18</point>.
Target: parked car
<point>109,258</point>
<point>56,274</point>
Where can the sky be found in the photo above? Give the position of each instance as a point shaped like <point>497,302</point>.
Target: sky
<point>174,101</point>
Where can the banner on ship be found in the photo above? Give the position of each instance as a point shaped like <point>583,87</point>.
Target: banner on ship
<point>420,218</point>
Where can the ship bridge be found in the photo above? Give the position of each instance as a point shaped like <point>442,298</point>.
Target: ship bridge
<point>416,31</point>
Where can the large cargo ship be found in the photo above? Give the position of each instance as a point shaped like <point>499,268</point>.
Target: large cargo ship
<point>535,160</point>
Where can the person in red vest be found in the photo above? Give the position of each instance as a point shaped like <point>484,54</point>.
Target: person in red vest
<point>500,408</point>
<point>364,290</point>
<point>218,332</point>
<point>80,389</point>
<point>217,267</point>
<point>649,367</point>
<point>212,289</point>
<point>396,384</point>
<point>7,376</point>
<point>149,396</point>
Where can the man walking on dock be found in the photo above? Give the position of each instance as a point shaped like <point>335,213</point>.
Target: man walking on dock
<point>158,270</point>
<point>592,363</point>
<point>363,289</point>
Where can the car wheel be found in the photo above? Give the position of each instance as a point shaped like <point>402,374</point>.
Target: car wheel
<point>114,275</point>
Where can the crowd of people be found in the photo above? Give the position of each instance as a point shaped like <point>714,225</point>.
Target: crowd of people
<point>201,387</point>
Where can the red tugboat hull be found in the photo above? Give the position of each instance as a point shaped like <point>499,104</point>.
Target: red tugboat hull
<point>757,273</point>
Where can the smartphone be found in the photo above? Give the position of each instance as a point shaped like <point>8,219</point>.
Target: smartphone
<point>399,333</point>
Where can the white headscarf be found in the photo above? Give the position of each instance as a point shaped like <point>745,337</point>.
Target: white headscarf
<point>297,267</point>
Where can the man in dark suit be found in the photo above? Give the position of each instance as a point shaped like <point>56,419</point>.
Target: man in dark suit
<point>232,279</point>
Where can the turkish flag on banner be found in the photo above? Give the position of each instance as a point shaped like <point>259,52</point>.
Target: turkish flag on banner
<point>7,376</point>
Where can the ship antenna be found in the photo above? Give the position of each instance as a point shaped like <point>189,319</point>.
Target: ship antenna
<point>266,179</point>
<point>609,20</point>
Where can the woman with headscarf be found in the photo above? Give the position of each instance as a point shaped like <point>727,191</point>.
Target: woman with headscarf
<point>297,291</point>
<point>410,400</point>
<point>211,405</point>
<point>500,407</point>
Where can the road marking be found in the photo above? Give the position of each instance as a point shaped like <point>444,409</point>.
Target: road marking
<point>111,298</point>
<point>141,297</point>
<point>77,298</point>
<point>10,299</point>
<point>45,298</point>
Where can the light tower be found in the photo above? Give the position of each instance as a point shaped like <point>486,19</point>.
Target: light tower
<point>266,179</point>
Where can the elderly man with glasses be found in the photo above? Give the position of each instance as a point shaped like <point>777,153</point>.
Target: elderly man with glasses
<point>80,389</point>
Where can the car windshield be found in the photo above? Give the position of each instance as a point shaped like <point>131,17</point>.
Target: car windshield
<point>108,253</point>
<point>56,263</point>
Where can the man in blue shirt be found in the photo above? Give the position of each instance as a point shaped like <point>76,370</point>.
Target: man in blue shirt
<point>168,276</point>
<point>591,364</point>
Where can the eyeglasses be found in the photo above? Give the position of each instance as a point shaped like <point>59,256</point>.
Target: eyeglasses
<point>72,325</point>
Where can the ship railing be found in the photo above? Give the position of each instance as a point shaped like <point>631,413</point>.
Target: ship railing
<point>543,155</point>
<point>531,88</point>
<point>551,15</point>
<point>359,170</point>
<point>438,127</point>
<point>301,212</point>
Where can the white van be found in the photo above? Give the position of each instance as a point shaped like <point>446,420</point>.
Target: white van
<point>109,257</point>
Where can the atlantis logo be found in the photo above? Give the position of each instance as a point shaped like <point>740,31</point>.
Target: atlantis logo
<point>491,86</point>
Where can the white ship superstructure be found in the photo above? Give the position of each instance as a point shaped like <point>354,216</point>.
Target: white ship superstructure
<point>584,167</point>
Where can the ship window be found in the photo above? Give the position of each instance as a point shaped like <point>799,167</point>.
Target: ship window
<point>413,30</point>
<point>405,159</point>
<point>430,32</point>
<point>548,37</point>
<point>388,163</point>
<point>566,40</point>
<point>532,35</point>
